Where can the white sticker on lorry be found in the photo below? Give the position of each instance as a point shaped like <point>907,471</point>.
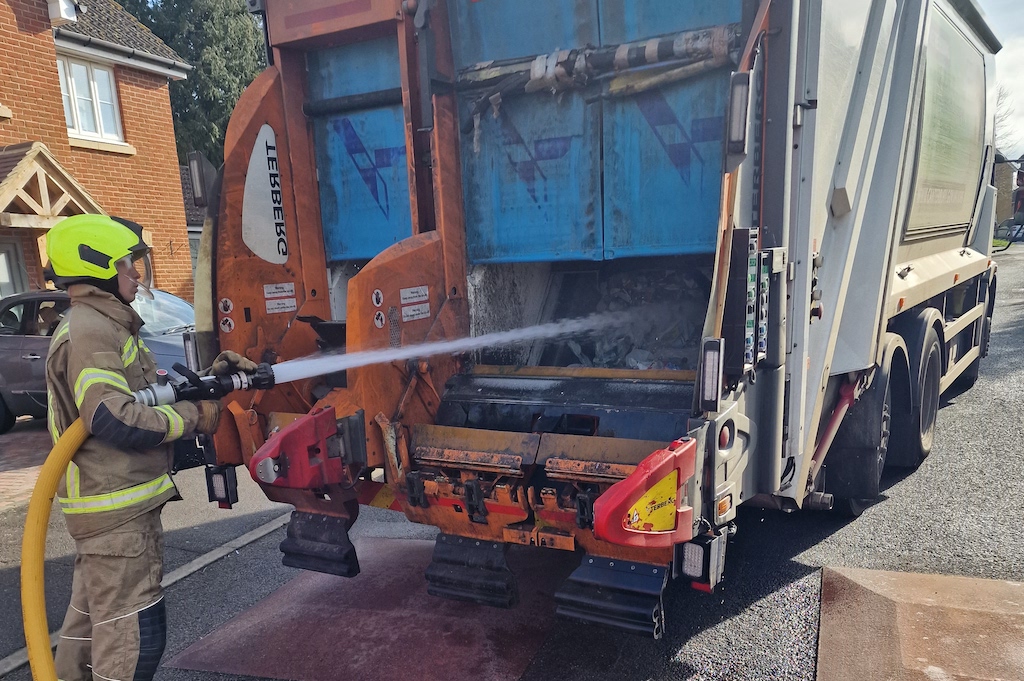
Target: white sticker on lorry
<point>281,305</point>
<point>416,294</point>
<point>414,312</point>
<point>279,290</point>
<point>263,224</point>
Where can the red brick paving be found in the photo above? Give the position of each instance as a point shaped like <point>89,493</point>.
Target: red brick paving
<point>382,625</point>
<point>22,452</point>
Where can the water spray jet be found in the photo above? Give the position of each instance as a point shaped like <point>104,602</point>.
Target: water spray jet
<point>266,376</point>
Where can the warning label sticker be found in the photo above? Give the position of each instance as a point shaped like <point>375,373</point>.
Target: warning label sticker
<point>414,312</point>
<point>416,294</point>
<point>279,290</point>
<point>281,305</point>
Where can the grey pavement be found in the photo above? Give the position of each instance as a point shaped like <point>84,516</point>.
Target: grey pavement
<point>960,513</point>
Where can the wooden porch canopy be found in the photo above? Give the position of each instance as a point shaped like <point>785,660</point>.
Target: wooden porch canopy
<point>36,191</point>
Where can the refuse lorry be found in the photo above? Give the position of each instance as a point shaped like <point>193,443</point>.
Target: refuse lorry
<point>792,198</point>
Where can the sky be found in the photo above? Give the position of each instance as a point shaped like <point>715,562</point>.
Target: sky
<point>1006,17</point>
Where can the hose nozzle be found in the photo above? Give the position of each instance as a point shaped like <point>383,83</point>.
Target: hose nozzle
<point>195,387</point>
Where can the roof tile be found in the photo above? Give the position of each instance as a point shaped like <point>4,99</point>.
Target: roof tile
<point>107,20</point>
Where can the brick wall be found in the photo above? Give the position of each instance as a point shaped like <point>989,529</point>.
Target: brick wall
<point>145,187</point>
<point>28,77</point>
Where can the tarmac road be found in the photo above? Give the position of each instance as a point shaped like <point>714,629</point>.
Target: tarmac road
<point>961,513</point>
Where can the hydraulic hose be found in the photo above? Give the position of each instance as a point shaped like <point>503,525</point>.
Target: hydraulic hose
<point>33,552</point>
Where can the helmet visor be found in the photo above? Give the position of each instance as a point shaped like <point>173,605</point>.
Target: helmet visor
<point>141,262</point>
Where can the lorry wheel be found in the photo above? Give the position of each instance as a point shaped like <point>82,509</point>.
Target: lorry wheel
<point>912,438</point>
<point>7,417</point>
<point>872,458</point>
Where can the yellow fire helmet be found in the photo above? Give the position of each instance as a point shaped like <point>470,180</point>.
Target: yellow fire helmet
<point>86,248</point>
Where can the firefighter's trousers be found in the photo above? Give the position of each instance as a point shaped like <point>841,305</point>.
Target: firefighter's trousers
<point>115,627</point>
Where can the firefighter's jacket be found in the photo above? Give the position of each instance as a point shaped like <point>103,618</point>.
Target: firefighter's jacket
<point>96,361</point>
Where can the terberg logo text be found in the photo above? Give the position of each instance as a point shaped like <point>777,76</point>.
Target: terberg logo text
<point>276,199</point>
<point>264,229</point>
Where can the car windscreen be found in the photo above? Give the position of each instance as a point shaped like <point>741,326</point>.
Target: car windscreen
<point>164,314</point>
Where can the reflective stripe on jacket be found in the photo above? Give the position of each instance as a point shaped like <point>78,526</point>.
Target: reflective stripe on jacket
<point>96,362</point>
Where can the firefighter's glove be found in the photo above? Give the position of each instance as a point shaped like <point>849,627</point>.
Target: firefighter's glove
<point>229,362</point>
<point>209,416</point>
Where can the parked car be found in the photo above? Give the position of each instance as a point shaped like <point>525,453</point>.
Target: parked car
<point>167,317</point>
<point>27,320</point>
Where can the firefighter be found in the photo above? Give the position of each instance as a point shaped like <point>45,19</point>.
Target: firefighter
<point>118,482</point>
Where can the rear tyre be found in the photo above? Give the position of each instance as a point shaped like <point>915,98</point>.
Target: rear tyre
<point>914,436</point>
<point>7,417</point>
<point>853,508</point>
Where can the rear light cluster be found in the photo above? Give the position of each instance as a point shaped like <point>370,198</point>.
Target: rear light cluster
<point>702,560</point>
<point>221,485</point>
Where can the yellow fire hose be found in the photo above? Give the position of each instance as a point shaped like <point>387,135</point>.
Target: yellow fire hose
<point>33,552</point>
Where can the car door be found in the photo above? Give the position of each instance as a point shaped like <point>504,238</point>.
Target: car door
<point>15,372</point>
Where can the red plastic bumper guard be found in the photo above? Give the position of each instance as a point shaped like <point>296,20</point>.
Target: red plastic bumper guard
<point>645,510</point>
<point>305,454</point>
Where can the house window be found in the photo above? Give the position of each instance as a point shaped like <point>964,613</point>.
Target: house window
<point>90,100</point>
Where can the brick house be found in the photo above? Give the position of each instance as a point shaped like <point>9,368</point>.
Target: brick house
<point>85,126</point>
<point>1005,182</point>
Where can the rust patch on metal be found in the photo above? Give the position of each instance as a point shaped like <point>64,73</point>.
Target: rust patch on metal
<point>615,450</point>
<point>535,536</point>
<point>471,441</point>
<point>587,471</point>
<point>504,464</point>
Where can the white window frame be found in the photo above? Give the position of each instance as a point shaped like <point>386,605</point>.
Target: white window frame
<point>68,83</point>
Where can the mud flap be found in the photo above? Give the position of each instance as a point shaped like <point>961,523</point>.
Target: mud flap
<point>472,570</point>
<point>320,543</point>
<point>616,593</point>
